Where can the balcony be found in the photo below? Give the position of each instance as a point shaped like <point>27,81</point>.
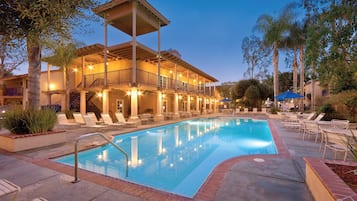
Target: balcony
<point>144,78</point>
<point>16,91</point>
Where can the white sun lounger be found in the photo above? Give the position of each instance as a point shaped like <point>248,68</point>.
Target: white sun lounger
<point>78,118</point>
<point>109,121</point>
<point>91,122</point>
<point>121,119</point>
<point>7,187</point>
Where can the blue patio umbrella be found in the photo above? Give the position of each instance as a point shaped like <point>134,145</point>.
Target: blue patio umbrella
<point>288,95</point>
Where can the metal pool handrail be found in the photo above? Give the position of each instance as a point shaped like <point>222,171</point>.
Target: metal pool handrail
<point>90,135</point>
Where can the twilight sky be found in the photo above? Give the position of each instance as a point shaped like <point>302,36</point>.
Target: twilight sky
<point>207,33</point>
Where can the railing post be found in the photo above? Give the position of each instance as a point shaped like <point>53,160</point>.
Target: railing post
<point>76,179</point>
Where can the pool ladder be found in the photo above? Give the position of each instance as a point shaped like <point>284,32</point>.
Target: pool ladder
<point>91,135</point>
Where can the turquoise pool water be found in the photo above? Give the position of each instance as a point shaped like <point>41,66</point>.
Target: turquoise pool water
<point>177,158</point>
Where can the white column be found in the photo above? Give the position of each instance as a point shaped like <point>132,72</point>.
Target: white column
<point>189,105</point>
<point>83,102</point>
<point>215,106</point>
<point>176,113</point>
<point>159,116</point>
<point>134,105</point>
<point>197,103</point>
<point>204,105</point>
<point>105,99</point>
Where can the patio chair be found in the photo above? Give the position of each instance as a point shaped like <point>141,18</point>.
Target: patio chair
<point>255,110</point>
<point>122,120</point>
<point>337,142</point>
<point>310,116</point>
<point>246,110</point>
<point>109,121</point>
<point>7,188</point>
<point>63,121</point>
<point>319,117</point>
<point>311,129</point>
<point>92,122</point>
<point>78,118</point>
<point>94,117</point>
<point>264,110</point>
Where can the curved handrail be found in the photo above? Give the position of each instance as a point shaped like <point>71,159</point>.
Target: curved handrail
<point>90,135</point>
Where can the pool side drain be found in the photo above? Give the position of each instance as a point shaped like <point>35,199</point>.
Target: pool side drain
<point>258,160</point>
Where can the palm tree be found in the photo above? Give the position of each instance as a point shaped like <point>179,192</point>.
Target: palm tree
<point>296,41</point>
<point>63,56</point>
<point>273,30</point>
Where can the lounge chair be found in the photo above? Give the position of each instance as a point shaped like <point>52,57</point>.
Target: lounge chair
<point>109,121</point>
<point>91,122</point>
<point>336,123</point>
<point>310,116</point>
<point>319,117</point>
<point>146,118</point>
<point>246,110</point>
<point>264,110</point>
<point>63,121</point>
<point>122,120</point>
<point>94,117</point>
<point>78,118</point>
<point>7,187</point>
<point>255,110</point>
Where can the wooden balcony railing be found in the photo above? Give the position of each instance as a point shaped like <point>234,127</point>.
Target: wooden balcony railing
<point>16,91</point>
<point>143,78</point>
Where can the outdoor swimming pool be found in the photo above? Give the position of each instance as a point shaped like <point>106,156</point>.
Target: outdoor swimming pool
<point>177,158</point>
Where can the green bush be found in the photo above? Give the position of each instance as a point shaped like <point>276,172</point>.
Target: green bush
<point>274,110</point>
<point>330,112</point>
<point>20,121</point>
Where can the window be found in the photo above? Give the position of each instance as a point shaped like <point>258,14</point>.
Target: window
<point>120,105</point>
<point>163,81</point>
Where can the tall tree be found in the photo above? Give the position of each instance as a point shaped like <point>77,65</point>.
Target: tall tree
<point>273,30</point>
<point>331,42</point>
<point>36,21</point>
<point>256,55</point>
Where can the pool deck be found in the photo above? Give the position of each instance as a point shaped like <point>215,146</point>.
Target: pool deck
<point>278,177</point>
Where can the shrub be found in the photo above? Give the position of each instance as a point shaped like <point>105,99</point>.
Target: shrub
<point>330,112</point>
<point>345,103</point>
<point>20,121</point>
<point>274,110</point>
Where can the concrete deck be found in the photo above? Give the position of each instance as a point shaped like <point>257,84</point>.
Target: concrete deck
<point>279,177</point>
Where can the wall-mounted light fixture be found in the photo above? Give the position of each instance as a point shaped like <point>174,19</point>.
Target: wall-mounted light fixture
<point>52,86</point>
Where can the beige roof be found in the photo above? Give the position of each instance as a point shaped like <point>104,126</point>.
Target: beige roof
<point>119,13</point>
